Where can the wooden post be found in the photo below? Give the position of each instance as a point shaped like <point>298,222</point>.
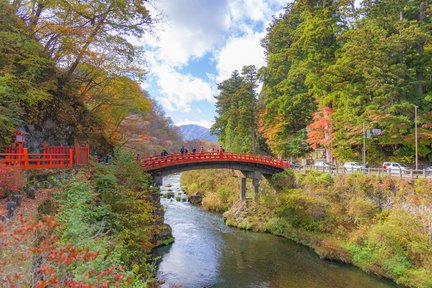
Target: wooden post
<point>71,157</point>
<point>26,162</point>
<point>76,147</point>
<point>87,154</point>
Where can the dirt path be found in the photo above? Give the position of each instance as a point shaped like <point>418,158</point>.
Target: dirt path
<point>16,241</point>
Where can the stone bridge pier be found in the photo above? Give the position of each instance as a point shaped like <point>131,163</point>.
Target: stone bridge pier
<point>255,176</point>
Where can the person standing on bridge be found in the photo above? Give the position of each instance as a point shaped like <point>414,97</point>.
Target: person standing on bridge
<point>202,150</point>
<point>182,150</point>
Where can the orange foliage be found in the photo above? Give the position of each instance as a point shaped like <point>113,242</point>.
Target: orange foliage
<point>319,131</point>
<point>11,180</point>
<point>56,258</point>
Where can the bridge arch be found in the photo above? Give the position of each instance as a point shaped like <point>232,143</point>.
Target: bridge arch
<point>251,166</point>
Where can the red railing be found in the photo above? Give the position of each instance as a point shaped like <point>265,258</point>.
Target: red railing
<point>156,162</point>
<point>44,160</point>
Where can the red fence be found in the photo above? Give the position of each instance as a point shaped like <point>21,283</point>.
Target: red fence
<point>51,157</point>
<point>82,154</point>
<point>155,162</point>
<point>28,161</point>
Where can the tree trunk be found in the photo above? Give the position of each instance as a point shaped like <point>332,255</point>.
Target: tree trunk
<point>35,18</point>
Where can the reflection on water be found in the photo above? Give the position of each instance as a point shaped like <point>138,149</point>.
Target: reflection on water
<point>207,253</point>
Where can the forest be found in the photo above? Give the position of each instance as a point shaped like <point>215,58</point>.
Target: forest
<point>332,67</point>
<point>70,73</point>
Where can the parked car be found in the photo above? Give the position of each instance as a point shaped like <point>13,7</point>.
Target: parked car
<point>353,166</point>
<point>296,165</point>
<point>395,168</point>
<point>429,170</point>
<point>323,165</point>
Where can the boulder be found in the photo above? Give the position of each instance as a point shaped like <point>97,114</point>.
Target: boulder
<point>30,192</point>
<point>169,195</point>
<point>17,198</point>
<point>196,199</point>
<point>10,207</point>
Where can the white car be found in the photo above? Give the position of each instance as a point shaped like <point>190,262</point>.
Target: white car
<point>429,170</point>
<point>353,166</point>
<point>323,165</point>
<point>395,168</point>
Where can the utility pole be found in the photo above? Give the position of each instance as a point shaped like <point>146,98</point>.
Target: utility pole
<point>364,145</point>
<point>331,141</point>
<point>416,138</point>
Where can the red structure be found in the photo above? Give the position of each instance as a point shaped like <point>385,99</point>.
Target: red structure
<point>51,156</point>
<point>158,162</point>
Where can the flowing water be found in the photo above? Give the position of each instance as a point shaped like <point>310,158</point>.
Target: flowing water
<point>206,253</point>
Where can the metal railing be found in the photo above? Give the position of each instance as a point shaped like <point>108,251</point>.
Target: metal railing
<point>409,173</point>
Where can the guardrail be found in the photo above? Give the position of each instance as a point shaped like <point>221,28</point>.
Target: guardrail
<point>159,161</point>
<point>411,173</point>
<point>28,161</point>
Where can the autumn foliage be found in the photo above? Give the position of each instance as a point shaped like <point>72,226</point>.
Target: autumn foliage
<point>319,133</point>
<point>11,180</point>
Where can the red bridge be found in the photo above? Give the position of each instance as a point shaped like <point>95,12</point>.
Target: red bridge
<point>250,165</point>
<point>173,163</point>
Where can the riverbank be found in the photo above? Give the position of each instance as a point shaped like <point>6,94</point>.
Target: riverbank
<point>96,228</point>
<point>381,225</point>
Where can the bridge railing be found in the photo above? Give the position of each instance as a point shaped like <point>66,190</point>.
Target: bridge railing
<point>159,161</point>
<point>28,161</point>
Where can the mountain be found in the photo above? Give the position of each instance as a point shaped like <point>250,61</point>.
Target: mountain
<point>192,131</point>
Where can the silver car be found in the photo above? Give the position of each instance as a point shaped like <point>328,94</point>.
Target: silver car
<point>322,165</point>
<point>353,166</point>
<point>395,168</point>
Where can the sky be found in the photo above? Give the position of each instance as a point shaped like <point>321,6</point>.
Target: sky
<point>199,44</point>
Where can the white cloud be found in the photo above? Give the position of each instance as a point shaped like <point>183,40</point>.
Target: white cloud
<point>252,9</point>
<point>178,90</point>
<point>193,28</point>
<point>203,123</point>
<point>255,10</point>
<point>238,52</point>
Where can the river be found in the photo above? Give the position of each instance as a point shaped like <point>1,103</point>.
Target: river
<point>206,253</point>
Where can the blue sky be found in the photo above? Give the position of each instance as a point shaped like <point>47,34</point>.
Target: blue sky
<point>198,45</point>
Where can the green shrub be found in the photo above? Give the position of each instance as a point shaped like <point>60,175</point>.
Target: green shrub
<point>277,226</point>
<point>283,180</point>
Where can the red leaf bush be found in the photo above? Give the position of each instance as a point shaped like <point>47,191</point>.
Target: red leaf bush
<point>11,180</point>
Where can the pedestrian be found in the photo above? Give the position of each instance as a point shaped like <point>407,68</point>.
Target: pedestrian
<point>202,150</point>
<point>182,149</point>
<point>194,150</point>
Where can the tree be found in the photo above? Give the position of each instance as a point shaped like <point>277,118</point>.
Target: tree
<point>300,45</point>
<point>90,32</point>
<point>236,105</point>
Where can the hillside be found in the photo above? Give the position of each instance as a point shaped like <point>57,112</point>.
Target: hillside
<point>192,131</point>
